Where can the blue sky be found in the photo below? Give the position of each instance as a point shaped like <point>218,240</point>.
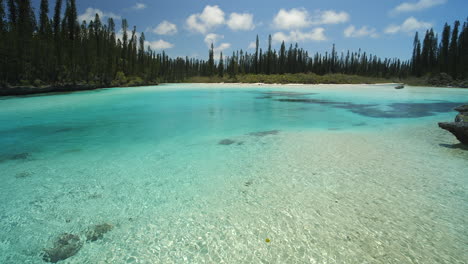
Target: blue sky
<point>187,27</point>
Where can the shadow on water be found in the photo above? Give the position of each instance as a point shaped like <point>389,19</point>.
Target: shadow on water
<point>455,146</point>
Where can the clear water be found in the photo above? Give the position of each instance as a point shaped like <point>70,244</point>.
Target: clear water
<point>207,173</point>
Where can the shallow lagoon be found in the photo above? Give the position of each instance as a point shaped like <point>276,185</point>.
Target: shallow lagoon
<point>206,173</point>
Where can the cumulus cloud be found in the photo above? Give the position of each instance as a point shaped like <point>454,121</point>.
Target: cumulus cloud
<point>353,32</point>
<point>139,6</point>
<point>211,17</point>
<point>417,6</point>
<point>165,28</point>
<point>291,19</point>
<point>159,44</point>
<point>222,47</point>
<point>316,34</point>
<point>331,17</point>
<point>252,45</point>
<point>217,50</point>
<point>410,25</point>
<point>241,21</point>
<point>90,14</point>
<point>297,18</point>
<point>212,38</point>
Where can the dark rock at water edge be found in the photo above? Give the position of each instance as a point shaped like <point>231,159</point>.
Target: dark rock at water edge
<point>462,117</point>
<point>463,113</point>
<point>458,129</point>
<point>65,246</point>
<point>98,231</point>
<point>461,109</point>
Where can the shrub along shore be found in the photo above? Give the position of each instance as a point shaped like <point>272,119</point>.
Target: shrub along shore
<point>440,80</point>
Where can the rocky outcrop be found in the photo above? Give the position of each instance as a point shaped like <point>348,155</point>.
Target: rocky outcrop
<point>459,128</point>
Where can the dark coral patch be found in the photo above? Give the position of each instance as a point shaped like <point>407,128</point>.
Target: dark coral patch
<point>67,245</point>
<point>98,231</point>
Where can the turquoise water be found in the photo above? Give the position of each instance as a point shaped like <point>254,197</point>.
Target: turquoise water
<point>206,173</point>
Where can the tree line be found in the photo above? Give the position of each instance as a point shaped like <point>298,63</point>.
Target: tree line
<point>63,50</point>
<point>449,56</point>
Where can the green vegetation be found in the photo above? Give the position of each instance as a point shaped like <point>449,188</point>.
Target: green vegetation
<point>64,52</point>
<point>306,78</point>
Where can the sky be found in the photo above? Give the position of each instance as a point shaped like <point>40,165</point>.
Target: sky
<point>188,27</point>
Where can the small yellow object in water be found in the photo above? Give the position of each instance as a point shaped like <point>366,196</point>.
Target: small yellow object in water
<point>267,240</point>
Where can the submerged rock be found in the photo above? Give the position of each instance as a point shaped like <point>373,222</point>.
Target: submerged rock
<point>98,231</point>
<point>459,128</point>
<point>20,156</point>
<point>226,142</point>
<point>23,174</point>
<point>65,246</point>
<point>264,133</point>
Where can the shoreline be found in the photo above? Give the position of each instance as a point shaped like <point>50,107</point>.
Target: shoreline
<point>32,90</point>
<point>65,88</point>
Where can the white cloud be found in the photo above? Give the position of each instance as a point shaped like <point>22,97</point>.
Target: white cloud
<point>159,44</point>
<point>211,17</point>
<point>219,49</point>
<point>252,45</point>
<point>139,6</point>
<point>353,32</point>
<point>291,19</point>
<point>330,17</point>
<point>410,25</point>
<point>212,38</point>
<point>417,6</point>
<point>317,34</point>
<point>215,38</point>
<point>222,47</point>
<point>90,14</point>
<point>165,28</point>
<point>241,21</point>
<point>297,18</point>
